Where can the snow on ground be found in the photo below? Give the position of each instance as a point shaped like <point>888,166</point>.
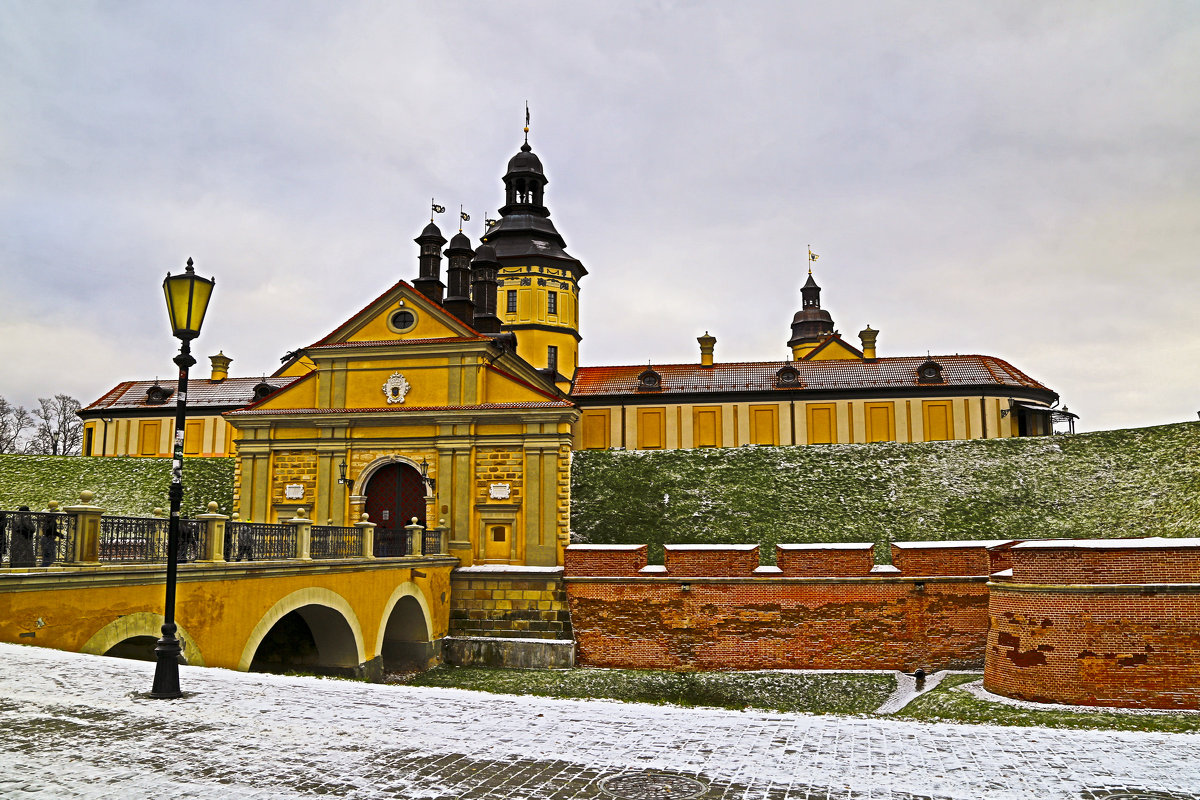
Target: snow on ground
<point>74,726</point>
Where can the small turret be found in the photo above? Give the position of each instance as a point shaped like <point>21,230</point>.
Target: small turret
<point>868,337</point>
<point>812,323</point>
<point>430,281</point>
<point>458,277</point>
<point>483,289</point>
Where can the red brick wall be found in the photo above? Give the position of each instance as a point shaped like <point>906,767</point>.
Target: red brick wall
<point>824,562</point>
<point>965,560</point>
<point>610,561</point>
<point>1137,648</point>
<point>710,562</point>
<point>1098,565</point>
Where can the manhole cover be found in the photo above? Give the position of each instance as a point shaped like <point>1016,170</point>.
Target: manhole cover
<point>652,786</point>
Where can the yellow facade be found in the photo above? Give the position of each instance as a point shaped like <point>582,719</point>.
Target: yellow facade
<point>492,433</point>
<point>541,304</point>
<point>205,435</point>
<point>852,421</point>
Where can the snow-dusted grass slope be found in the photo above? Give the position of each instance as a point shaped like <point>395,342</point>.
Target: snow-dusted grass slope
<point>133,486</point>
<point>1140,482</point>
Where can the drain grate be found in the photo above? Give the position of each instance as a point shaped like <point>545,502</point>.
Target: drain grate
<point>652,786</point>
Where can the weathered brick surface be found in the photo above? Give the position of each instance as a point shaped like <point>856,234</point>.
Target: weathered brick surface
<point>608,561</point>
<point>960,560</point>
<point>1137,648</point>
<point>522,607</point>
<point>866,623</point>
<point>1065,565</point>
<point>710,561</point>
<point>819,562</point>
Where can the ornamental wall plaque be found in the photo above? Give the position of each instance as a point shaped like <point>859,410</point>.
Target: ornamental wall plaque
<point>395,388</point>
<point>499,491</point>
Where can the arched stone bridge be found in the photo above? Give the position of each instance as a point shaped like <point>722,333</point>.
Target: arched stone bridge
<point>354,614</point>
<point>352,617</point>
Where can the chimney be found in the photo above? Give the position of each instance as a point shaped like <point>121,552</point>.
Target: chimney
<point>220,366</point>
<point>707,343</point>
<point>868,337</point>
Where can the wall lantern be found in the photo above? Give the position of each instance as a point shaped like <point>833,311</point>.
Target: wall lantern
<point>430,483</point>
<point>342,479</point>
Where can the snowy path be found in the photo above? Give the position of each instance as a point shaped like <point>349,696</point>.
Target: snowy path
<point>73,726</point>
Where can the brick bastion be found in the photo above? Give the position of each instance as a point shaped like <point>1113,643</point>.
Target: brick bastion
<point>1100,622</point>
<point>1107,622</point>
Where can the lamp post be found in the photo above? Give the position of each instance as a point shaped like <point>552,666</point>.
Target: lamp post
<point>187,300</point>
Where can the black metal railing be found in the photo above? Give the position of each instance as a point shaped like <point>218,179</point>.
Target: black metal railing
<point>145,539</point>
<point>256,541</point>
<point>390,543</point>
<point>433,542</point>
<point>331,541</point>
<point>35,538</point>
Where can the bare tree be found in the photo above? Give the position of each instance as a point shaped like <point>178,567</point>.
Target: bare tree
<point>14,420</point>
<point>59,428</point>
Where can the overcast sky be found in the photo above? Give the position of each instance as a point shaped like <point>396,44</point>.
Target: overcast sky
<point>1016,179</point>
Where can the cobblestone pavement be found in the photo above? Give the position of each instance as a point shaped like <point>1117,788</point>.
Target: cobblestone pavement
<point>76,726</point>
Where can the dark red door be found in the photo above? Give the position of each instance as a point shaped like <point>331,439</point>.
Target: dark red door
<point>395,494</point>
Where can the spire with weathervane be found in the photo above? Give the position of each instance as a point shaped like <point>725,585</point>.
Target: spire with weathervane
<point>812,324</point>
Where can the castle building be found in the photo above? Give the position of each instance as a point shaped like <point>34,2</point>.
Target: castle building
<point>829,392</point>
<point>457,398</point>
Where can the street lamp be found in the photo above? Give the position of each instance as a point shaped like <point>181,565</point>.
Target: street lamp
<point>187,300</point>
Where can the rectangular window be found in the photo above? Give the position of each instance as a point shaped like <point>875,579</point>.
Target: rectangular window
<point>706,427</point>
<point>512,301</point>
<point>148,438</point>
<point>764,425</point>
<point>881,422</point>
<point>652,428</point>
<point>551,302</point>
<point>552,357</point>
<point>89,445</point>
<point>822,424</point>
<point>939,420</point>
<point>193,432</point>
<point>595,430</point>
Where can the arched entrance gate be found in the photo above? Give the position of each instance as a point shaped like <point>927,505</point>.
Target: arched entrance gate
<point>395,494</point>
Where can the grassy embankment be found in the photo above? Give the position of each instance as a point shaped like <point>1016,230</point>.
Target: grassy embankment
<point>1139,482</point>
<point>129,486</point>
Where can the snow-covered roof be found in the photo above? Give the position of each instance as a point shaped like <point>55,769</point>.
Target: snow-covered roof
<point>709,546</point>
<point>1151,542</point>
<point>829,546</point>
<point>958,543</point>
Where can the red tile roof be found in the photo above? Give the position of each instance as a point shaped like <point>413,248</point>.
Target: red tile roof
<point>833,375</point>
<point>202,393</point>
<point>399,409</point>
<point>395,342</point>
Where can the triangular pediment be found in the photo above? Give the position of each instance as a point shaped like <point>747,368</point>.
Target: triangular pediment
<point>833,349</point>
<point>398,314</point>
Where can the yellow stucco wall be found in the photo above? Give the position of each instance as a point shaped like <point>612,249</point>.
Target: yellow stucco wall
<point>787,422</point>
<point>223,611</point>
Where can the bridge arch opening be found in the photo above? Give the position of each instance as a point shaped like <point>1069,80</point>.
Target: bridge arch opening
<point>312,638</point>
<point>312,629</point>
<point>128,636</point>
<point>136,648</point>
<point>405,632</point>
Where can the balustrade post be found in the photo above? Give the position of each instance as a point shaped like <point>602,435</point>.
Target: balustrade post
<point>416,544</point>
<point>214,526</point>
<point>86,549</point>
<point>158,543</point>
<point>303,527</point>
<point>444,543</point>
<point>367,529</point>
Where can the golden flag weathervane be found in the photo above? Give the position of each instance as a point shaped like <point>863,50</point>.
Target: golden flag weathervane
<point>811,258</point>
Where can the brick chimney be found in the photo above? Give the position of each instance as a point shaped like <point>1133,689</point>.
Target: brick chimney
<point>707,343</point>
<point>220,366</point>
